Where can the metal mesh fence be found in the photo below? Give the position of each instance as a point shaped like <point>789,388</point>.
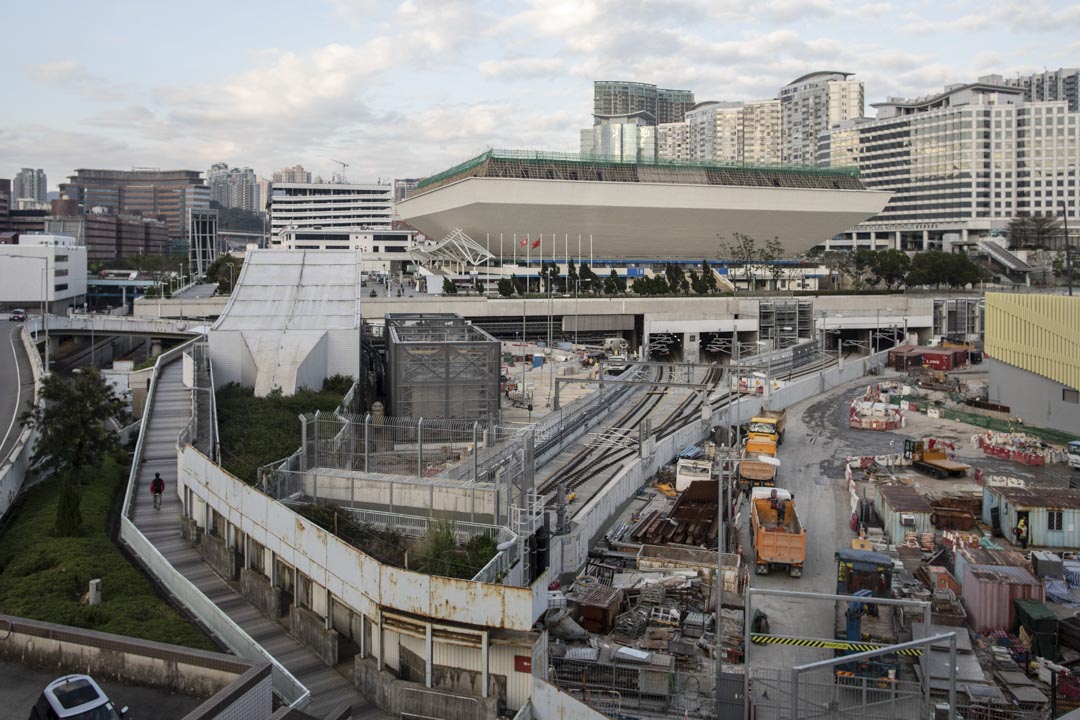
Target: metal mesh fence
<point>620,689</point>
<point>822,695</point>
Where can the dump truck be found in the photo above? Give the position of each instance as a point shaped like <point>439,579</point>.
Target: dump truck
<point>768,425</point>
<point>933,461</point>
<point>776,541</point>
<point>756,470</point>
<point>864,575</point>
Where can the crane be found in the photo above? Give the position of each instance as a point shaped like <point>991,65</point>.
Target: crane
<point>344,167</point>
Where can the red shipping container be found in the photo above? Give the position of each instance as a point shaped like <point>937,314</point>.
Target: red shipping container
<point>989,591</point>
<point>938,360</point>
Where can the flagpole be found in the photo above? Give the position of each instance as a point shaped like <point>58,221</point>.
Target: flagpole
<point>528,259</point>
<point>487,264</point>
<point>515,250</point>
<point>592,260</point>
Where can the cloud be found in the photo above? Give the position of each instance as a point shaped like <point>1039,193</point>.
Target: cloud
<point>73,77</point>
<point>517,68</point>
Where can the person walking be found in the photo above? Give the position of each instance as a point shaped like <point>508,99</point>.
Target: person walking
<point>157,487</point>
<point>1022,533</point>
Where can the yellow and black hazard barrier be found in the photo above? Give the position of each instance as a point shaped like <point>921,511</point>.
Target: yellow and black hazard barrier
<point>761,639</point>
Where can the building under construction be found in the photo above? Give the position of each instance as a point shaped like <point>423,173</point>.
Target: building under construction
<point>440,366</point>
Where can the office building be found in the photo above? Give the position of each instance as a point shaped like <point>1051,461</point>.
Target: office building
<point>673,141</point>
<point>404,187</point>
<point>812,104</point>
<point>735,132</point>
<point>628,138</point>
<point>107,237</point>
<point>29,184</point>
<point>328,206</point>
<point>660,105</point>
<point>234,187</point>
<point>203,244</point>
<point>49,268</point>
<point>636,210</point>
<point>960,164</point>
<point>167,195</point>
<point>294,174</point>
<point>5,205</point>
<point>1033,353</point>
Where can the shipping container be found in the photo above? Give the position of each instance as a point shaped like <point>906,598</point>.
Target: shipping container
<point>903,510</point>
<point>989,591</point>
<point>938,359</point>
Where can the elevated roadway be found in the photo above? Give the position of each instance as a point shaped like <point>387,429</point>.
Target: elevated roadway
<point>16,386</point>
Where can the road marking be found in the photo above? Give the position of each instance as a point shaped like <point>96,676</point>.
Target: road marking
<point>18,386</point>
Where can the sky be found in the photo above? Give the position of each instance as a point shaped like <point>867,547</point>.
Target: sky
<point>406,89</point>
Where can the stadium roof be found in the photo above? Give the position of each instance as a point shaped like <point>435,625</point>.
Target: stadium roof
<point>636,210</point>
<point>532,165</point>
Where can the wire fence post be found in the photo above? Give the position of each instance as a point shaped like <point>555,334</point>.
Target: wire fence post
<point>419,448</point>
<point>367,442</point>
<point>476,451</point>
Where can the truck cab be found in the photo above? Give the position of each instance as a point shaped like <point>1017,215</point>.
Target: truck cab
<point>865,575</point>
<point>768,425</point>
<point>1074,454</point>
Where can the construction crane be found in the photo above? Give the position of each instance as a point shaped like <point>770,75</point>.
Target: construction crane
<point>344,167</point>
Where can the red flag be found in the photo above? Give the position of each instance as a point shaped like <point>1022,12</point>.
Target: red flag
<point>523,242</point>
<point>536,244</point>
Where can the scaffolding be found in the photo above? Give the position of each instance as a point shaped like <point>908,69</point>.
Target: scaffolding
<point>784,323</point>
<point>959,319</point>
<point>440,366</point>
<point>529,165</point>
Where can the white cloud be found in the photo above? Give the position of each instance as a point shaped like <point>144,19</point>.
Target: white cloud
<point>518,68</point>
<point>73,77</point>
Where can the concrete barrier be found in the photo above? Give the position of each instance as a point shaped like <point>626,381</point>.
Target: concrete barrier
<point>14,467</point>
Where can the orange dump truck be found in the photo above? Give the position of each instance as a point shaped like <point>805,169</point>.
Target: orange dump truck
<point>776,542</point>
<point>755,470</point>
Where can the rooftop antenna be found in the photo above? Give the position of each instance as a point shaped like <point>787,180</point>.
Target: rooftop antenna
<point>344,167</point>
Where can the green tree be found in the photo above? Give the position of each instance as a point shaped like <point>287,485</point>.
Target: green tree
<point>589,278</point>
<point>1035,231</point>
<point>939,268</point>
<point>614,284</point>
<point>238,220</point>
<point>697,283</point>
<point>506,287</point>
<point>571,275</point>
<point>890,267</point>
<point>224,270</point>
<point>772,254</point>
<point>519,285</point>
<point>856,267</point>
<point>743,249</point>
<point>73,421</point>
<point>709,275</point>
<point>448,286</point>
<point>674,276</point>
<point>68,514</point>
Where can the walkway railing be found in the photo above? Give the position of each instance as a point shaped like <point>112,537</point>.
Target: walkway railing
<point>180,588</point>
<point>14,467</point>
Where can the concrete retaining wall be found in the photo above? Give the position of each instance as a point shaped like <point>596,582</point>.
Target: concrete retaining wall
<point>396,696</point>
<point>215,551</point>
<point>14,467</point>
<point>310,629</point>
<point>256,589</point>
<point>226,681</point>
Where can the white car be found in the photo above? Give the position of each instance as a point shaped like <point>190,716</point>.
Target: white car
<point>74,697</point>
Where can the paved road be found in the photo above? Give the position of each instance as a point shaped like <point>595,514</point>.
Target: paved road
<point>22,685</point>
<point>16,385</point>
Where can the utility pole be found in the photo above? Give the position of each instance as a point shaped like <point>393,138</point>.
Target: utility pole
<point>1068,246</point>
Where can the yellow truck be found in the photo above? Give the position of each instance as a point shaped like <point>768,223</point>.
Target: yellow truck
<point>776,541</point>
<point>768,425</point>
<point>757,465</point>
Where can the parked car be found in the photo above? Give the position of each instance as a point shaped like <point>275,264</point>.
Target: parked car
<point>75,697</point>
<point>17,315</point>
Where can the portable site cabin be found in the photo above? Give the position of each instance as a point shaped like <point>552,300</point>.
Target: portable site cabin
<point>1052,514</point>
<point>903,510</point>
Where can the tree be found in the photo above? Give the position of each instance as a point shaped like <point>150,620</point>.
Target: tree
<point>743,249</point>
<point>571,275</point>
<point>1034,231</point>
<point>519,285</point>
<point>68,515</point>
<point>773,253</point>
<point>224,270</point>
<point>238,220</point>
<point>589,278</point>
<point>506,287</point>
<point>709,275</point>
<point>448,286</point>
<point>939,268</point>
<point>890,267</point>
<point>477,284</point>
<point>73,424</point>
<point>614,284</point>
<point>675,277</point>
<point>856,266</point>
<point>697,283</point>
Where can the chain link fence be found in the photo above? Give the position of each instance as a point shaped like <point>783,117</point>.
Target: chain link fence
<point>619,690</point>
<point>820,694</point>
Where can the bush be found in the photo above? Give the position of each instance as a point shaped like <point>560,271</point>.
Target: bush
<point>43,576</point>
<point>256,431</point>
<point>68,517</point>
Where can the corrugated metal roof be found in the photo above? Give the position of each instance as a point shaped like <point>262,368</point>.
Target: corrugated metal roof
<point>904,498</point>
<point>1004,574</point>
<point>1039,497</point>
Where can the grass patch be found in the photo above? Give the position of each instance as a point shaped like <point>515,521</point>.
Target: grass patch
<point>256,431</point>
<point>436,554</point>
<point>42,577</point>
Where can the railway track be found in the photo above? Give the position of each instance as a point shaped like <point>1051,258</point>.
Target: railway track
<point>595,460</point>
